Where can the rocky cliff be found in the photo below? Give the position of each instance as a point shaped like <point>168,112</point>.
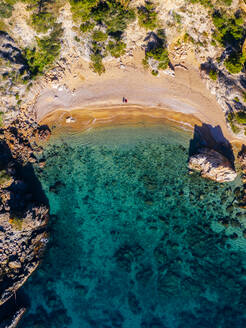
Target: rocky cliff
<point>23,212</point>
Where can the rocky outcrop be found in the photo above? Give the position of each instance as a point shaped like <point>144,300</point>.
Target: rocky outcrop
<point>212,165</point>
<point>242,162</point>
<point>13,321</point>
<point>23,211</point>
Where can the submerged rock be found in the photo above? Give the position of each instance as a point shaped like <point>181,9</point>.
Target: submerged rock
<point>212,165</point>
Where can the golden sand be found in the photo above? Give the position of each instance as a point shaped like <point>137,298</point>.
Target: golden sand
<point>94,117</point>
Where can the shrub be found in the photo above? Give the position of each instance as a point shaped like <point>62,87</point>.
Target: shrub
<point>188,38</point>
<point>86,27</point>
<point>16,222</point>
<point>47,50</point>
<point>244,97</point>
<point>1,119</point>
<point>113,14</point>
<point>5,10</point>
<point>116,49</point>
<point>43,21</point>
<point>81,10</point>
<point>161,55</point>
<point>154,72</point>
<point>99,36</point>
<point>235,62</point>
<point>229,29</point>
<point>145,62</point>
<point>147,16</point>
<point>235,128</point>
<point>96,63</point>
<point>241,117</point>
<point>206,3</point>
<point>4,178</point>
<point>213,74</point>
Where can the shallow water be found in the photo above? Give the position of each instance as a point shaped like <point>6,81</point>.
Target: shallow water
<point>136,241</point>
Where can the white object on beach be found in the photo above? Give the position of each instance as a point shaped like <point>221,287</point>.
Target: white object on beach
<point>70,119</point>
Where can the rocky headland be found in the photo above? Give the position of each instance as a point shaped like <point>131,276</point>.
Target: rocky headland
<point>23,213</point>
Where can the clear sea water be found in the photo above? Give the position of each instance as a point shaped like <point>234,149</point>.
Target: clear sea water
<point>135,240</point>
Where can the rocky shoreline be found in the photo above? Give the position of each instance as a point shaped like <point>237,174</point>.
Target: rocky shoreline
<point>24,211</point>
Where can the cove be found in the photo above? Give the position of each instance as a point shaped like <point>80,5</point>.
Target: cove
<point>135,240</point>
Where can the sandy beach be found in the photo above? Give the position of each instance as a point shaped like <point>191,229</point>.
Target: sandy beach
<point>100,98</point>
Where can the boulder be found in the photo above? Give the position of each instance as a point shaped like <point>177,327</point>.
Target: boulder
<point>212,165</point>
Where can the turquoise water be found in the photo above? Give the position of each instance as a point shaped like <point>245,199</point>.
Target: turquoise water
<point>135,240</point>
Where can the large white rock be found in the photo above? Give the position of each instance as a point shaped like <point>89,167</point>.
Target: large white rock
<point>212,165</point>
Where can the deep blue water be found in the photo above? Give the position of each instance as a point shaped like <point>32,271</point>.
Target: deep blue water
<point>135,240</point>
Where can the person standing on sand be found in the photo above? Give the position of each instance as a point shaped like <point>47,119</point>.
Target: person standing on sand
<point>123,99</point>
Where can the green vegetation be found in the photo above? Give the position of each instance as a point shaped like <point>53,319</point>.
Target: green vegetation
<point>16,222</point>
<point>45,53</point>
<point>154,72</point>
<point>158,53</point>
<point>188,38</point>
<point>43,21</point>
<point>110,13</point>
<point>209,3</point>
<point>235,62</point>
<point>96,63</point>
<point>161,55</point>
<point>86,27</point>
<point>1,119</point>
<point>177,18</point>
<point>213,74</point>
<point>241,117</point>
<point>231,120</point>
<point>244,97</point>
<point>99,36</point>
<point>5,178</point>
<point>147,16</point>
<point>5,9</point>
<point>116,49</point>
<point>114,16</point>
<point>206,3</point>
<point>44,13</point>
<point>230,32</point>
<point>236,118</point>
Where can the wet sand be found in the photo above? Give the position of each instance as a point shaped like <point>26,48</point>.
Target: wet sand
<point>87,118</point>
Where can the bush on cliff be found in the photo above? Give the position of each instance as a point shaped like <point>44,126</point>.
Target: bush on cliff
<point>45,53</point>
<point>230,33</point>
<point>235,62</point>
<point>241,117</point>
<point>6,9</point>
<point>43,21</point>
<point>147,16</point>
<point>116,48</point>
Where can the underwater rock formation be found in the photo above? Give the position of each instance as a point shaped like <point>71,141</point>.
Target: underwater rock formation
<point>212,165</point>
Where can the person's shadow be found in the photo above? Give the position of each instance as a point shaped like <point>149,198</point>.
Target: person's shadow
<point>211,137</point>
